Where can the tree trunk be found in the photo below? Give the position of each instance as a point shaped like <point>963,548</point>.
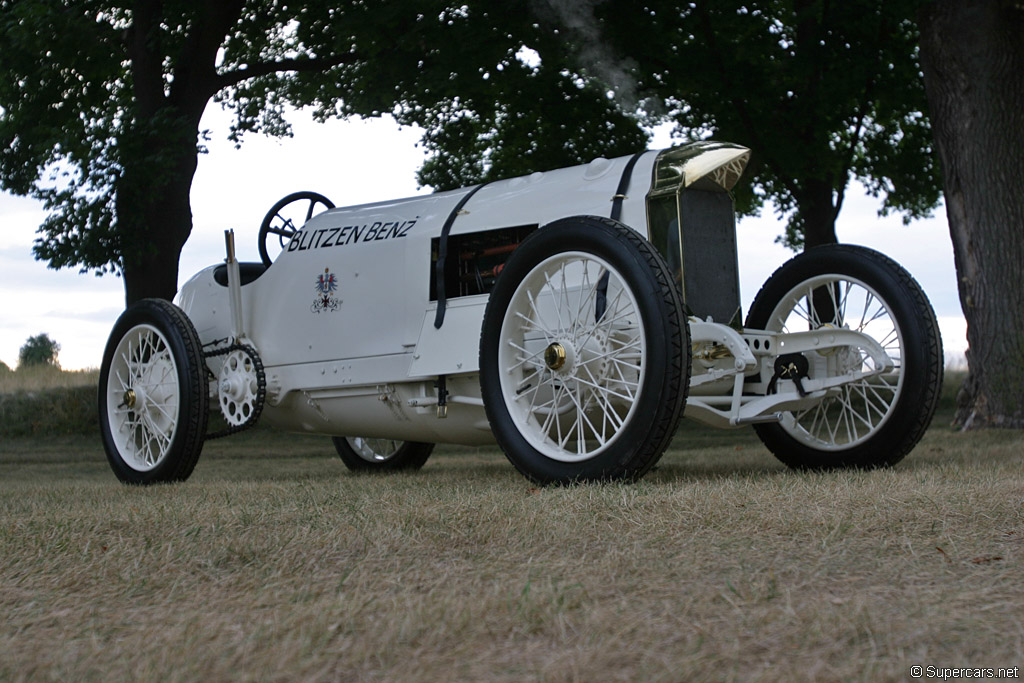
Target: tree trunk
<point>972,57</point>
<point>150,266</point>
<point>154,213</point>
<point>815,205</point>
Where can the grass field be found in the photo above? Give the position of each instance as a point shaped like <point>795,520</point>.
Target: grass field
<point>274,563</point>
<point>44,377</point>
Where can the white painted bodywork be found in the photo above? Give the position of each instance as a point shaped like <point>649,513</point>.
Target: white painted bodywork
<point>365,363</point>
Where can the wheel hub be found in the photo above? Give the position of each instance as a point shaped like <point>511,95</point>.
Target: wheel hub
<point>554,356</point>
<point>232,387</point>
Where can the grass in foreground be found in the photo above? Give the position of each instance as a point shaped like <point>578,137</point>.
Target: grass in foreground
<point>274,563</point>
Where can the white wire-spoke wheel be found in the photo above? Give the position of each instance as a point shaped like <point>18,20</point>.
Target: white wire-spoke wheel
<point>238,387</point>
<point>584,354</point>
<point>381,455</point>
<point>874,421</point>
<point>153,399</point>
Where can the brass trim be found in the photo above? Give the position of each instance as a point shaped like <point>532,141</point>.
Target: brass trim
<point>709,165</point>
<point>554,356</point>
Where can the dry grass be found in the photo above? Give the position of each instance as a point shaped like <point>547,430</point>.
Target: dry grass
<point>273,563</point>
<point>43,377</point>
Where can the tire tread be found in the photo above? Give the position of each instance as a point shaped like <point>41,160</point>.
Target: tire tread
<point>880,455</point>
<point>632,465</point>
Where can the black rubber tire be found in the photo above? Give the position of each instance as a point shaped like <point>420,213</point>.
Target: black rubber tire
<point>266,229</point>
<point>192,411</point>
<point>411,455</point>
<point>659,400</point>
<point>922,361</point>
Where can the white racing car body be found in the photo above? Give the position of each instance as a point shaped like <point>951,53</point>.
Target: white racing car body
<point>567,316</point>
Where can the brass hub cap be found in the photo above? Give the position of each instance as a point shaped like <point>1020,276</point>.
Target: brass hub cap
<point>554,356</point>
<point>129,399</point>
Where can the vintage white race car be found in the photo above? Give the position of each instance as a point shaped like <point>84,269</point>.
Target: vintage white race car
<point>569,317</point>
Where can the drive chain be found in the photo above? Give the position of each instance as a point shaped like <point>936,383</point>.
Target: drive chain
<point>261,387</point>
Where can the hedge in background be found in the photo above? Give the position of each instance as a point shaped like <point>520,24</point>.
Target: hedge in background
<point>52,412</point>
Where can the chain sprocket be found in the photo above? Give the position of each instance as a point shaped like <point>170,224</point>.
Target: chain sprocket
<point>241,388</point>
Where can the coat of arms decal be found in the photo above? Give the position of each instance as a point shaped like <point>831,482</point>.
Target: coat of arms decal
<point>326,286</point>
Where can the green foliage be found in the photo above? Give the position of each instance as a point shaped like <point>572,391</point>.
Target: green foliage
<point>59,127</point>
<point>823,92</point>
<point>101,100</point>
<point>570,122</point>
<point>464,75</point>
<point>39,350</point>
<point>53,412</point>
<point>100,105</point>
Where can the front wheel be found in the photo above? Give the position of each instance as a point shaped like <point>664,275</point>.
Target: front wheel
<point>584,354</point>
<point>876,421</point>
<point>153,397</point>
<point>381,455</point>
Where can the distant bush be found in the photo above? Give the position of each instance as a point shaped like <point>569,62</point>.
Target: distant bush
<point>53,412</point>
<point>39,350</point>
<point>43,400</point>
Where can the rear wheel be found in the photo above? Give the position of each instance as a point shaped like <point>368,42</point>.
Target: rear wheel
<point>876,421</point>
<point>584,354</point>
<point>153,398</point>
<point>381,455</point>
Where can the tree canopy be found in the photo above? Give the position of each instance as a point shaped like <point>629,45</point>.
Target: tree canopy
<point>823,92</point>
<point>104,127</point>
<point>101,103</point>
<point>39,350</point>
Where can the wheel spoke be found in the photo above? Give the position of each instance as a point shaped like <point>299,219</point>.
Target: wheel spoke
<point>555,298</point>
<point>143,423</point>
<point>603,389</point>
<point>573,410</point>
<point>854,412</point>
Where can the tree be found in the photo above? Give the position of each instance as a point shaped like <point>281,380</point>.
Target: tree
<point>101,101</point>
<point>490,107</point>
<point>101,105</point>
<point>973,62</point>
<point>39,350</point>
<point>823,92</point>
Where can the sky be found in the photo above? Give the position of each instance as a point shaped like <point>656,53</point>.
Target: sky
<point>359,161</point>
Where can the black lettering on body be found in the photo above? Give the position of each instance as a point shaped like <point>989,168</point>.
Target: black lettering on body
<point>327,242</point>
<point>319,234</point>
<point>406,227</point>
